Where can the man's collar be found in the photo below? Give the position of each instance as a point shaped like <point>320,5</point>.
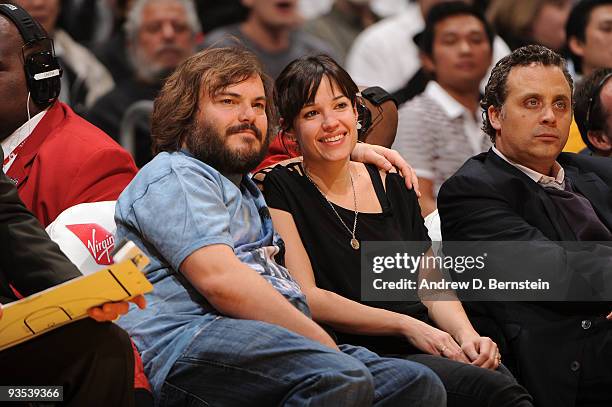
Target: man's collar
<point>22,133</point>
<point>451,107</point>
<point>557,181</point>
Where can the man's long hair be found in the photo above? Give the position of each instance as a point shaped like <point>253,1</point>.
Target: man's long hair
<point>207,72</point>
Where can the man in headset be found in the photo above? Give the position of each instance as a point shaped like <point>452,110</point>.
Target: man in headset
<point>593,112</point>
<point>55,158</point>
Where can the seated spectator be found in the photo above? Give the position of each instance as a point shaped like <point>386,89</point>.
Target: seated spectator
<point>524,22</point>
<point>93,361</point>
<point>525,189</point>
<point>441,128</point>
<point>226,324</point>
<point>160,34</point>
<point>340,26</point>
<point>385,54</point>
<point>325,206</point>
<point>84,79</point>
<point>593,112</point>
<point>270,31</point>
<point>588,33</point>
<point>55,158</point>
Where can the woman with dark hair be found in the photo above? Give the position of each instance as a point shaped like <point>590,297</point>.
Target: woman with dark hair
<point>326,205</point>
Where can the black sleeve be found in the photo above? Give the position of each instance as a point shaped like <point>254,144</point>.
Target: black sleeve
<point>275,188</point>
<point>411,208</point>
<point>29,260</point>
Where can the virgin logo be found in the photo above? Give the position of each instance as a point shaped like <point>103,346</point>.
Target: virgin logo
<point>99,241</point>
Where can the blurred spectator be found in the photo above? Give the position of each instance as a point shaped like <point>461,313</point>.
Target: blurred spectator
<point>89,22</point>
<point>524,22</point>
<point>160,35</point>
<point>215,13</point>
<point>85,79</point>
<point>112,52</point>
<point>271,32</point>
<point>589,35</point>
<point>385,54</point>
<point>441,128</point>
<point>589,41</point>
<point>341,25</point>
<point>593,112</point>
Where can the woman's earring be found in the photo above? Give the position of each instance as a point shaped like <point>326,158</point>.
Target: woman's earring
<point>358,125</point>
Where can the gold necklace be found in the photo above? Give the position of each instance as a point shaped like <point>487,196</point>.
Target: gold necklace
<point>354,242</point>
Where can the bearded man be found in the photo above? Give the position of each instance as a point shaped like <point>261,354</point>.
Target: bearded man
<point>228,325</point>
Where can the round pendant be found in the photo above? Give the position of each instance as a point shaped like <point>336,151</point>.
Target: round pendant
<point>355,244</point>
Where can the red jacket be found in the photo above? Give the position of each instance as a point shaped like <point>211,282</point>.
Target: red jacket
<point>66,161</point>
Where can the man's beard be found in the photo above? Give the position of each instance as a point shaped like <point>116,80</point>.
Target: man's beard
<point>209,146</point>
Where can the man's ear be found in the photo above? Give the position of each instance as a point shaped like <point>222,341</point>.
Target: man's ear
<point>427,62</point>
<point>600,141</point>
<point>576,46</point>
<point>494,117</point>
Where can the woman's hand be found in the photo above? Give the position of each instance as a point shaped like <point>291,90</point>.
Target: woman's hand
<point>481,351</point>
<point>110,311</point>
<point>433,340</point>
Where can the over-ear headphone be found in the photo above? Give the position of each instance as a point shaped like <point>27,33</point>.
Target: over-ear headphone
<point>42,69</point>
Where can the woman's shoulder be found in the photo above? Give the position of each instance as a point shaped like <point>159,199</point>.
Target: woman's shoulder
<point>284,172</point>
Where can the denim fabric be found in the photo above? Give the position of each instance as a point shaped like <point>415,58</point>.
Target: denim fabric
<point>175,205</point>
<point>251,363</point>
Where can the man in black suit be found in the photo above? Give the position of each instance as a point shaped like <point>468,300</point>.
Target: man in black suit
<point>93,361</point>
<point>525,189</point>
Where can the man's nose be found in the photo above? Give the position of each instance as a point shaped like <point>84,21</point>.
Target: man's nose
<point>168,31</point>
<point>247,113</point>
<point>548,115</point>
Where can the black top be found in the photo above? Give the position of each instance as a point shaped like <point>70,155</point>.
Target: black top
<point>29,260</point>
<point>335,263</point>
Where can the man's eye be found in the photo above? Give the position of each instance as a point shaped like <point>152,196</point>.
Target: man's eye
<point>561,105</point>
<point>259,106</point>
<point>531,103</point>
<point>227,101</point>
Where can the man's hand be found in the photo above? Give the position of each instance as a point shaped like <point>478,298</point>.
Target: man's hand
<point>110,311</point>
<point>385,159</point>
<point>609,317</point>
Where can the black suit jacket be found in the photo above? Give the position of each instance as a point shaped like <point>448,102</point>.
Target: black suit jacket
<point>29,259</point>
<point>548,345</point>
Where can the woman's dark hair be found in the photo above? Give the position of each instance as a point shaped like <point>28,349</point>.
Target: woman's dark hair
<point>297,85</point>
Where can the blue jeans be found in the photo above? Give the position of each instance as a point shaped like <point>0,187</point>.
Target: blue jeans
<point>236,362</point>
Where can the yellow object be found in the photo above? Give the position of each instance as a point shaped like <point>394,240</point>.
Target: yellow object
<point>574,142</point>
<point>68,302</point>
